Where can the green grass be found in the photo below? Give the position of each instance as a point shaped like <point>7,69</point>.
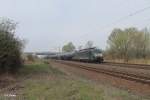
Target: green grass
<point>61,90</point>
<point>55,86</point>
<point>38,69</point>
<point>45,82</point>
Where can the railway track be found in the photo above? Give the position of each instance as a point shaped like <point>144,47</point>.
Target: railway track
<point>123,75</point>
<point>137,66</point>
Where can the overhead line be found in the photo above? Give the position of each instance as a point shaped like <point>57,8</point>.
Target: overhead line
<point>132,14</point>
<point>124,18</point>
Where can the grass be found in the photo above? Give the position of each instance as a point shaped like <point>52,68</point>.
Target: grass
<point>39,68</point>
<point>61,90</point>
<point>131,61</point>
<point>44,82</point>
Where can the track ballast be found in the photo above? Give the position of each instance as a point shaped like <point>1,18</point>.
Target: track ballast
<point>120,74</point>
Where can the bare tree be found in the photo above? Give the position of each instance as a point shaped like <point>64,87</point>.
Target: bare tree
<point>89,44</point>
<point>129,43</point>
<point>80,47</point>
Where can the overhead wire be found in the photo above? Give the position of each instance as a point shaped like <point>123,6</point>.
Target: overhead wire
<point>132,14</point>
<point>122,19</point>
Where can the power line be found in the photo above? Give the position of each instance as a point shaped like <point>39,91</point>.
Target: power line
<point>132,14</point>
<point>123,18</point>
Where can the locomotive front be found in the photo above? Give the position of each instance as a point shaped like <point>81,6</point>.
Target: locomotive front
<point>98,55</point>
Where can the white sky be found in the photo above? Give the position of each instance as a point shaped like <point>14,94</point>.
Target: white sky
<point>49,24</point>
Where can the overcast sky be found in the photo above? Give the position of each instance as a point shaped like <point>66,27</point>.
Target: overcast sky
<point>49,24</point>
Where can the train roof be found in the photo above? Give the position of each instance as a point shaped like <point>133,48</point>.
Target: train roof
<point>67,53</point>
<point>63,54</point>
<point>88,49</point>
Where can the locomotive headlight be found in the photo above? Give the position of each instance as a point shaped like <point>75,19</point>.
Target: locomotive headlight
<point>99,55</point>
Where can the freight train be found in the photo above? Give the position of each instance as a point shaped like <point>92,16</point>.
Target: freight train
<point>84,55</point>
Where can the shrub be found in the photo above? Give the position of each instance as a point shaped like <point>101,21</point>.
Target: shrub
<point>10,47</point>
<point>31,58</point>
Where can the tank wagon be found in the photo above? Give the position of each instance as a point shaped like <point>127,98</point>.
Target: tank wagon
<point>62,56</point>
<point>84,55</point>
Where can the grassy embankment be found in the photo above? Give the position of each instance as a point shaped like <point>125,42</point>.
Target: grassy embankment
<point>43,82</point>
<point>131,61</point>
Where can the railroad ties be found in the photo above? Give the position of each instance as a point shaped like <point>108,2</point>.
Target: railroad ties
<point>132,76</point>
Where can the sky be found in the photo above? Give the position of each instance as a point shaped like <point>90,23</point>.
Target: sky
<point>46,25</point>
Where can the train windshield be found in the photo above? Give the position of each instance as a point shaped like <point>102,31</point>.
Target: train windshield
<point>97,52</point>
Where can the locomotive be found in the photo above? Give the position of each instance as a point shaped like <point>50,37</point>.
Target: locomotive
<point>84,55</point>
<point>89,55</point>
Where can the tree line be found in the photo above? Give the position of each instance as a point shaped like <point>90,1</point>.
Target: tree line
<point>130,43</point>
<point>69,47</point>
<point>125,44</point>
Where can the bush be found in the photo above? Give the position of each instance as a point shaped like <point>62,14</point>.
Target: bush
<point>31,58</point>
<point>10,47</point>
